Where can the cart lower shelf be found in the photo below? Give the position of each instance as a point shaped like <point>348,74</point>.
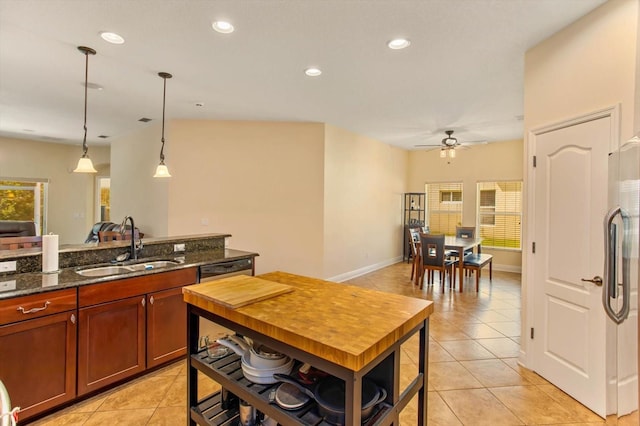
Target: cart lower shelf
<point>227,372</point>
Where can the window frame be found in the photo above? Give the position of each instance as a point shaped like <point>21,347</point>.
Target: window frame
<point>481,211</point>
<point>441,187</point>
<point>41,204</point>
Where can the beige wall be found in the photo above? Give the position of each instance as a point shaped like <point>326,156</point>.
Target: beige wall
<point>588,66</point>
<point>262,182</point>
<point>497,161</point>
<point>71,195</point>
<point>134,190</point>
<point>364,182</point>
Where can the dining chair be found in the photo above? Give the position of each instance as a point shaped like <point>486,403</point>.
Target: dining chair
<point>413,235</point>
<point>435,259</point>
<point>475,263</point>
<point>463,232</point>
<point>12,243</point>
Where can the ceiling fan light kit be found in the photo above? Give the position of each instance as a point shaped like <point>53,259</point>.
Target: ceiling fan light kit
<point>448,145</point>
<point>449,141</point>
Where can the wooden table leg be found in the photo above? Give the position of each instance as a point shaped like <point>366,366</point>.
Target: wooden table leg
<point>461,265</point>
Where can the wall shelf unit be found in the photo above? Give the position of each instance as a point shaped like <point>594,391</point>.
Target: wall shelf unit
<point>413,217</point>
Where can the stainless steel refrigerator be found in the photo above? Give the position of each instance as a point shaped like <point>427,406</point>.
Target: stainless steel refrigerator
<point>620,287</point>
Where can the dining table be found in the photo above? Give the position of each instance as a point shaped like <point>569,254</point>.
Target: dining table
<point>460,245</point>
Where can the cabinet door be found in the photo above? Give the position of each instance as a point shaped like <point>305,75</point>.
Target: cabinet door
<point>111,342</point>
<point>47,376</point>
<point>166,326</point>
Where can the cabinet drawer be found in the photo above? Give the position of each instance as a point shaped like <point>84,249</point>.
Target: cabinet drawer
<point>37,305</point>
<point>128,287</point>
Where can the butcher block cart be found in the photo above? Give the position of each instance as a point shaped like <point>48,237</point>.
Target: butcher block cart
<point>346,331</point>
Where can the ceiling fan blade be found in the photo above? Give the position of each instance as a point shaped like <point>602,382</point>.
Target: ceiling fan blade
<point>428,146</point>
<point>478,142</point>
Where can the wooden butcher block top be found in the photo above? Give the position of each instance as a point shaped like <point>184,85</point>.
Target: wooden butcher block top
<point>344,324</point>
<point>238,291</point>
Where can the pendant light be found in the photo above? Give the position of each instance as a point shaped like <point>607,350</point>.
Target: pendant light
<point>162,170</point>
<point>84,164</point>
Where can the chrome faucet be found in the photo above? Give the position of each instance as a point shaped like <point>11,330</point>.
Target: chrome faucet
<point>135,248</point>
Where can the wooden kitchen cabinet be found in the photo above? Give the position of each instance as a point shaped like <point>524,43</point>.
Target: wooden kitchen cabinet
<point>111,343</point>
<point>130,325</point>
<point>44,327</point>
<point>166,326</point>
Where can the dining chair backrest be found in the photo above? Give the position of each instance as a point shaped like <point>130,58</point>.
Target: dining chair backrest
<point>106,236</point>
<point>12,243</point>
<point>414,238</point>
<point>465,231</point>
<point>432,249</point>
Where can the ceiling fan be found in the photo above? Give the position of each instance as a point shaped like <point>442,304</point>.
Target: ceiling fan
<point>449,144</point>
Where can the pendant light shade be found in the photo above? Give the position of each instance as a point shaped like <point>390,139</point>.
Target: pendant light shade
<point>162,170</point>
<point>84,164</point>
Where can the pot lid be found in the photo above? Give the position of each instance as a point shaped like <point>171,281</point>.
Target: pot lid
<point>330,392</point>
<point>290,397</point>
<point>266,352</point>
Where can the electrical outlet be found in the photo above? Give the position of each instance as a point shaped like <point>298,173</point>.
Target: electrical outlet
<point>8,266</point>
<point>178,247</point>
<point>7,285</point>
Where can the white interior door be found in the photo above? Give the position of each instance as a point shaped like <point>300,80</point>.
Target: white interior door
<point>570,202</point>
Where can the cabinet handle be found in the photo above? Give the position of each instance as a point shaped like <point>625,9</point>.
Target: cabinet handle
<point>143,302</point>
<point>151,300</point>
<point>33,310</point>
<point>73,318</point>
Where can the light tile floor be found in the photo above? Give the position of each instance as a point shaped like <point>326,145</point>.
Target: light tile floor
<point>474,377</point>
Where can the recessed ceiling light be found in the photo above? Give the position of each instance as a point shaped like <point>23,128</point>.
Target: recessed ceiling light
<point>313,72</point>
<point>112,38</point>
<point>398,43</point>
<point>223,27</point>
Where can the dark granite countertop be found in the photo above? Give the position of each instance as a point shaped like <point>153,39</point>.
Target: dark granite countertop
<point>14,285</point>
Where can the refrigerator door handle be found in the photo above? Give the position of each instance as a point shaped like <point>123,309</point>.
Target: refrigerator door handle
<point>611,265</point>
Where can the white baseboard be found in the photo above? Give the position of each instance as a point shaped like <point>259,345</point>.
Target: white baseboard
<point>370,268</point>
<point>507,268</point>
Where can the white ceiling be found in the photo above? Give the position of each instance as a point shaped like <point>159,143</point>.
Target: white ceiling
<point>463,70</point>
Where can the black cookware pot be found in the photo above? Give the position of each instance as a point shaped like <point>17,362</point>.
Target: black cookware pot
<point>329,393</point>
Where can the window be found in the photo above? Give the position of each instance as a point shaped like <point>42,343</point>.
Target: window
<point>500,214</point>
<point>450,196</point>
<point>444,207</point>
<point>24,199</point>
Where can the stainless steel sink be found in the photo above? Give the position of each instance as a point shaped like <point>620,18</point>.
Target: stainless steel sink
<point>152,265</point>
<point>104,271</point>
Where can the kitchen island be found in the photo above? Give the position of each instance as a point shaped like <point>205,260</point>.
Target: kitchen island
<point>346,331</point>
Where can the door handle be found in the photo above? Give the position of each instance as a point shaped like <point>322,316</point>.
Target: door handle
<point>611,264</point>
<point>596,280</point>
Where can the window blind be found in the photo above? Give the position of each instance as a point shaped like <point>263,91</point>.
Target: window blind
<point>499,214</point>
<point>444,207</point>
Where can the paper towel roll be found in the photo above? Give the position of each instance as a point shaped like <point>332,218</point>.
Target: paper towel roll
<point>49,253</point>
<point>49,280</point>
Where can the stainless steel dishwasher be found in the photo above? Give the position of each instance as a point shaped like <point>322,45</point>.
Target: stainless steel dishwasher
<point>218,271</point>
